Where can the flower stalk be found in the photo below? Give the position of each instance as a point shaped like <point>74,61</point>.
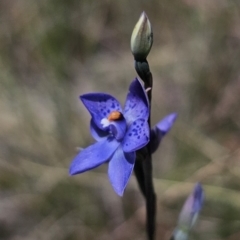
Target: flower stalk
<point>141,43</point>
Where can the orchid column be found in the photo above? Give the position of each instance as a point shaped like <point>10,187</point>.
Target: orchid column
<point>141,43</point>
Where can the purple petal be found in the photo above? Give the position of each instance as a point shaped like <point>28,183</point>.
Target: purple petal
<point>136,105</point>
<point>192,207</point>
<point>162,128</point>
<point>137,136</point>
<point>97,133</point>
<point>93,156</point>
<point>198,197</point>
<point>120,169</point>
<point>166,123</point>
<point>100,105</point>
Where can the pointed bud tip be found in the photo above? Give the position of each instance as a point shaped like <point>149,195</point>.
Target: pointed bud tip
<point>142,38</point>
<point>198,194</point>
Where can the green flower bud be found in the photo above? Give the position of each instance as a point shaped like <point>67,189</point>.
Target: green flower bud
<point>142,38</point>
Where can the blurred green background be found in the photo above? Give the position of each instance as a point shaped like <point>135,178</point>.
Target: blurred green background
<point>51,51</point>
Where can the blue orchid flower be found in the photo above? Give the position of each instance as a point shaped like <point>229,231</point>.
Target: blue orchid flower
<point>161,129</point>
<point>119,134</point>
<point>189,213</point>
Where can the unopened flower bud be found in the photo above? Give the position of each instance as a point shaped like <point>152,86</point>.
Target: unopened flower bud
<point>142,38</point>
<point>189,213</point>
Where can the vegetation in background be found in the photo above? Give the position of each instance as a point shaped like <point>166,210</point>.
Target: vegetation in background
<point>53,51</point>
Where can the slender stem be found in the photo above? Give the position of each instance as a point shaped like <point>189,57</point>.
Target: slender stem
<point>139,173</point>
<point>143,167</point>
<point>150,198</point>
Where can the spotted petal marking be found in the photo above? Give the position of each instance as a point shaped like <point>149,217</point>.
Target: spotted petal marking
<point>136,105</point>
<point>137,136</point>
